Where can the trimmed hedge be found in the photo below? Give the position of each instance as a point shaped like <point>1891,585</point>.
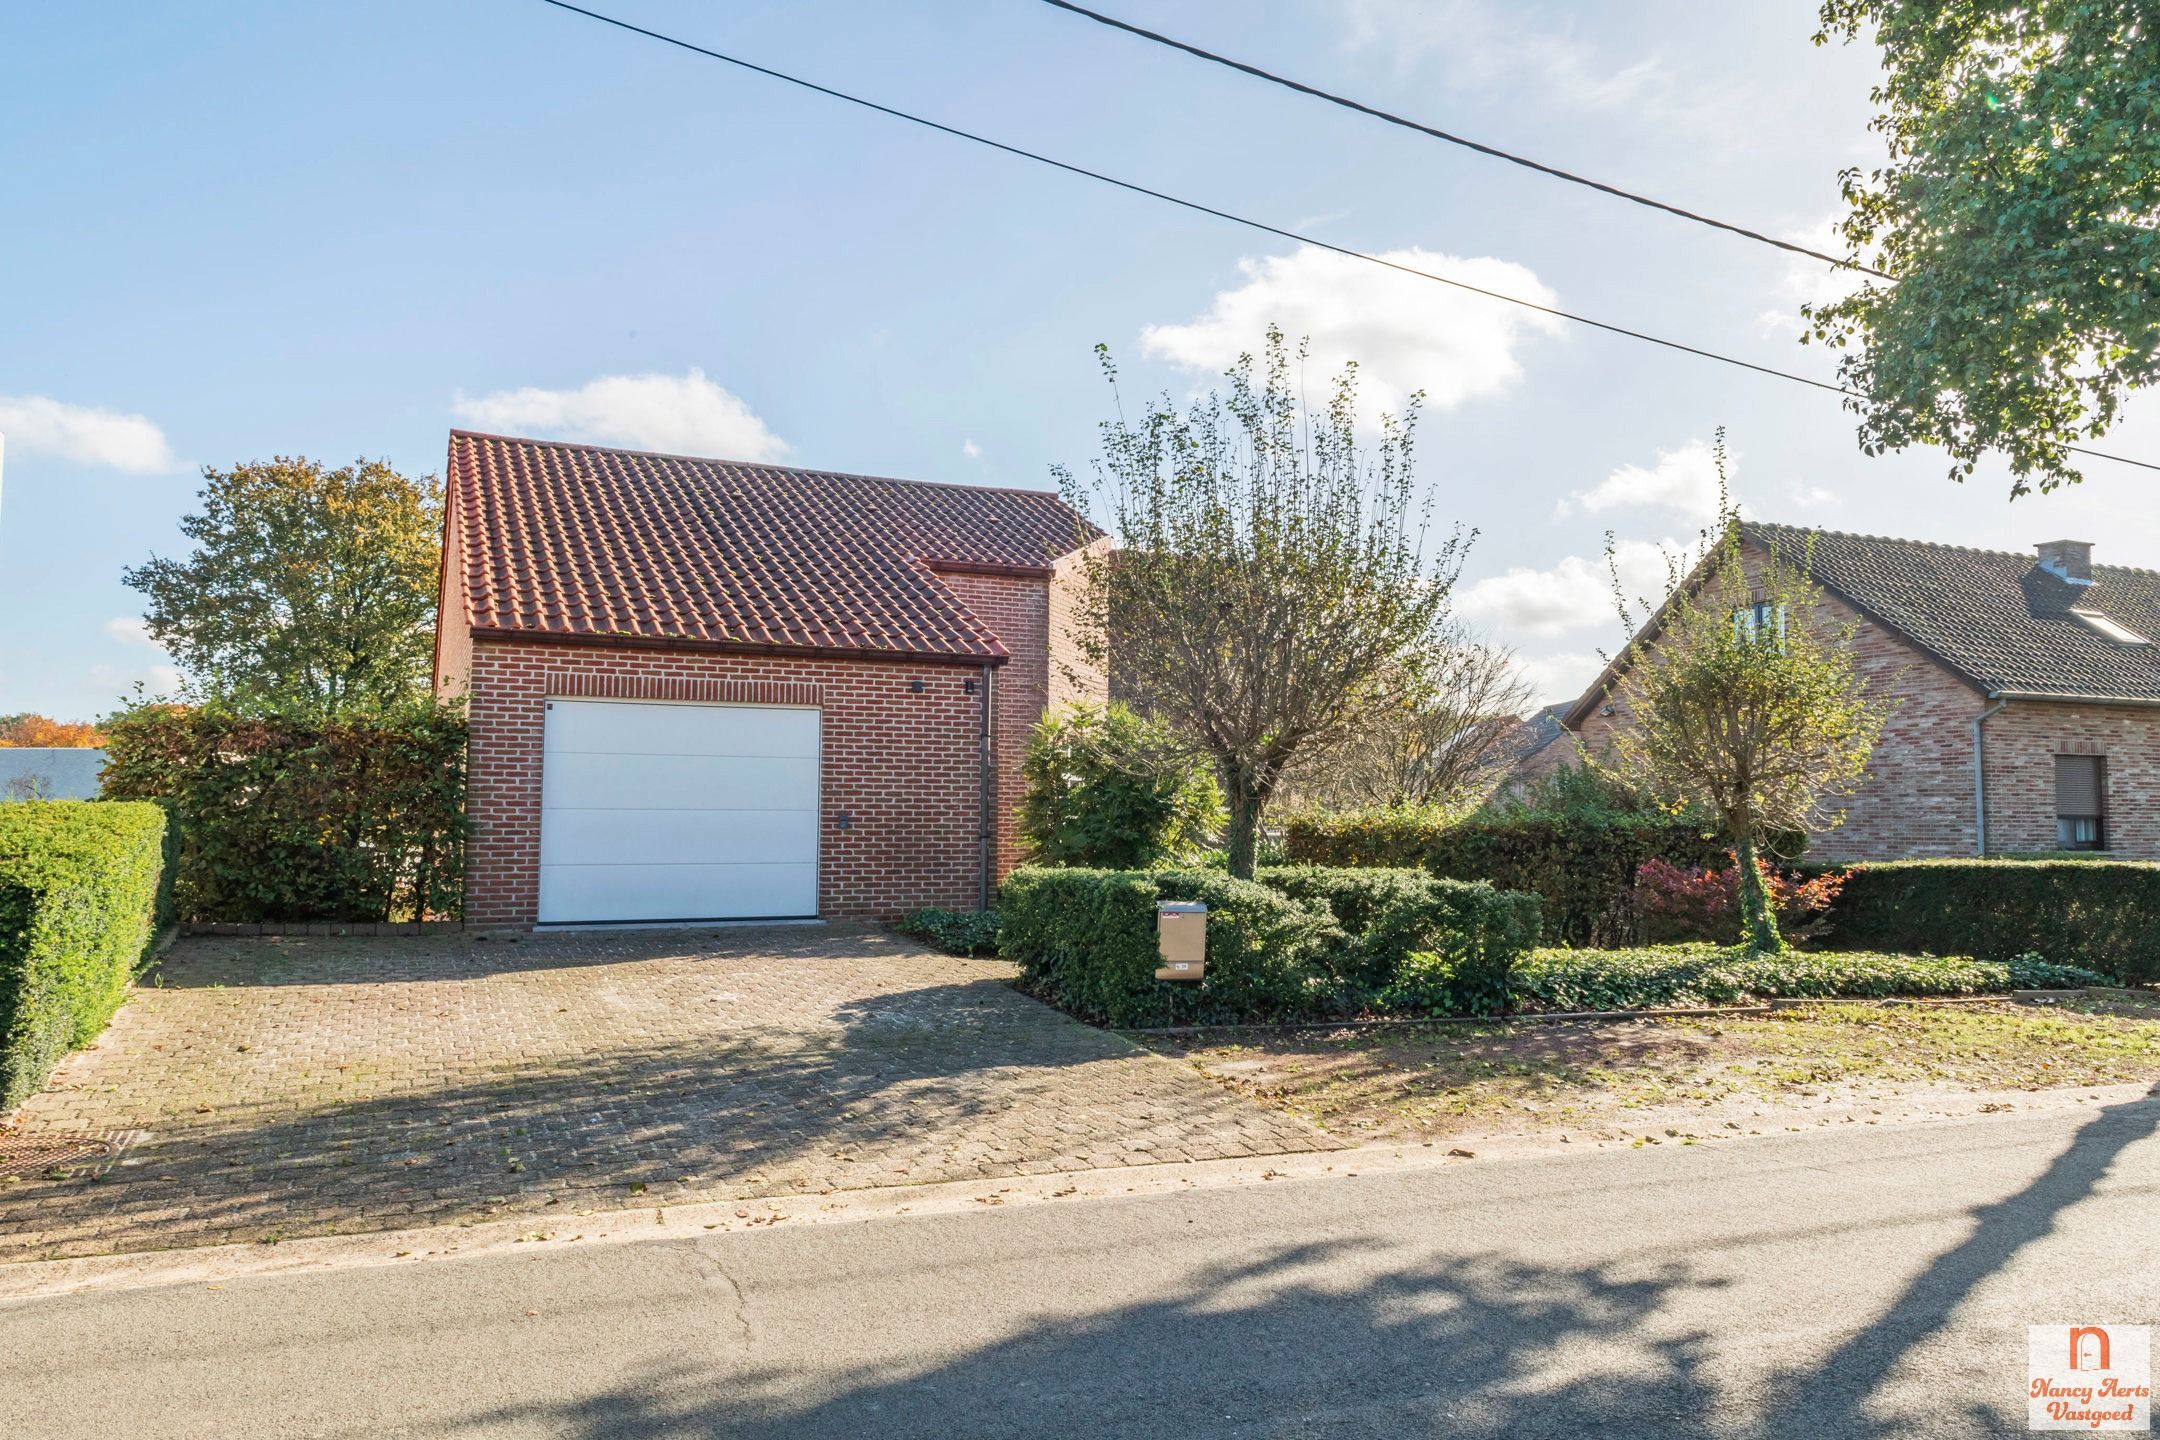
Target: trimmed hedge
<point>1303,942</point>
<point>956,932</point>
<point>1583,869</point>
<point>1085,941</point>
<point>1708,974</point>
<point>79,882</point>
<point>284,818</point>
<point>2101,914</point>
<point>1468,933</point>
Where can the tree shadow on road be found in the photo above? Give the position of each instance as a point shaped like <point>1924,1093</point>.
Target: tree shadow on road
<point>1305,1340</point>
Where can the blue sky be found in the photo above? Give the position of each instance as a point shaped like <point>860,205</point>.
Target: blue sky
<point>242,230</point>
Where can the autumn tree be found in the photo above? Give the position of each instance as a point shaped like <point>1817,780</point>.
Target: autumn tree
<point>1272,579</point>
<point>31,730</point>
<point>1443,738</point>
<point>2017,221</point>
<point>1741,696</point>
<point>310,589</point>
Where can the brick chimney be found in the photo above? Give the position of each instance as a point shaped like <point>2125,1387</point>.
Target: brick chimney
<point>2069,560</point>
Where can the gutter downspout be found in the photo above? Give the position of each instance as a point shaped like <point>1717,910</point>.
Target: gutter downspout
<point>988,789</point>
<point>1980,778</point>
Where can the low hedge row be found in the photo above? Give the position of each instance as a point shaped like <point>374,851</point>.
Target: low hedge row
<point>2104,915</point>
<point>956,932</point>
<point>1303,942</point>
<point>1708,974</point>
<point>79,889</point>
<point>1583,869</point>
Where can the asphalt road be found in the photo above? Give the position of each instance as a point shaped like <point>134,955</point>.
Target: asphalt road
<point>1864,1281</point>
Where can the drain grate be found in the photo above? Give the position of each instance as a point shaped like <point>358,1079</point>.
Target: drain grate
<point>24,1155</point>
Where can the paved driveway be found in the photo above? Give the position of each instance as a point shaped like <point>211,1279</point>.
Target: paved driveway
<point>283,1087</point>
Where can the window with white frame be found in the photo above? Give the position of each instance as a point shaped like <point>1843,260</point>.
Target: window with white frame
<point>2080,802</point>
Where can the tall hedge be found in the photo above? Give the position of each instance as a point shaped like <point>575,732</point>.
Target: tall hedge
<point>2101,914</point>
<point>285,818</point>
<point>1583,869</point>
<point>78,892</point>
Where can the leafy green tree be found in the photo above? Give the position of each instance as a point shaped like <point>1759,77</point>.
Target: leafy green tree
<point>1109,789</point>
<point>1273,579</point>
<point>1740,696</point>
<point>2018,219</point>
<point>310,590</point>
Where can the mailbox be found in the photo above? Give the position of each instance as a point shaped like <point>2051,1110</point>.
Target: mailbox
<point>1181,939</point>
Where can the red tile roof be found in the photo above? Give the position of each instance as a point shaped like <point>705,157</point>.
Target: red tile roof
<point>560,540</point>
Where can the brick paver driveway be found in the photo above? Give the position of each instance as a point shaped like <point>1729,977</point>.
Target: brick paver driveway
<point>288,1087</point>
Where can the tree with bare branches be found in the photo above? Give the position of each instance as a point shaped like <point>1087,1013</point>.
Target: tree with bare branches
<point>1273,578</point>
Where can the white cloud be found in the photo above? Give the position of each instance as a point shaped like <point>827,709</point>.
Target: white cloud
<point>1683,480</point>
<point>686,414</point>
<point>129,630</point>
<point>1405,333</point>
<point>1809,282</point>
<point>85,434</point>
<point>1482,46</point>
<point>1559,677</point>
<point>970,450</point>
<point>1573,595</point>
<point>111,682</point>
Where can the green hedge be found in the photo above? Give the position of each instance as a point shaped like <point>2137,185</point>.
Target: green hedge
<point>1470,933</point>
<point>79,884</point>
<point>1583,869</point>
<point>1303,942</point>
<point>2101,914</point>
<point>1085,941</point>
<point>1708,974</point>
<point>956,932</point>
<point>284,818</point>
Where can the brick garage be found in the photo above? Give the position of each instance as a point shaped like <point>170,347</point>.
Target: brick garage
<point>907,615</point>
<point>2050,653</point>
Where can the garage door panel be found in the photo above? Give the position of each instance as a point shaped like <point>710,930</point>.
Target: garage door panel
<point>662,811</point>
<point>599,893</point>
<point>603,727</point>
<point>696,837</point>
<point>578,781</point>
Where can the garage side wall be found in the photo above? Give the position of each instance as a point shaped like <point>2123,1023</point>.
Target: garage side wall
<point>1017,609</point>
<point>899,796</point>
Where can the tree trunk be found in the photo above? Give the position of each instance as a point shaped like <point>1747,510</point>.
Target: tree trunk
<point>1243,840</point>
<point>1758,921</point>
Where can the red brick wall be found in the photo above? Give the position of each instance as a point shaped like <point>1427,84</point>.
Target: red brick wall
<point>1918,797</point>
<point>2023,740</point>
<point>1072,679</point>
<point>905,768</point>
<point>1017,609</point>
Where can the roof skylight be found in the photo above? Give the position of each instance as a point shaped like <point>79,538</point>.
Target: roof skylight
<point>2121,634</point>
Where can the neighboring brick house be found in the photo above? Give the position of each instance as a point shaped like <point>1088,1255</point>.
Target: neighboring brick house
<point>2027,690</point>
<point>707,690</point>
<point>1534,747</point>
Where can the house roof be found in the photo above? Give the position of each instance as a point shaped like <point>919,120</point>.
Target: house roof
<point>566,541</point>
<point>1995,619</point>
<point>1532,733</point>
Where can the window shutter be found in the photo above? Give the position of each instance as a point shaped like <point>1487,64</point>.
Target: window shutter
<point>2077,785</point>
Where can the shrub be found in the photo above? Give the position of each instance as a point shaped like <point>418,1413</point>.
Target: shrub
<point>1584,869</point>
<point>2101,914</point>
<point>1085,941</point>
<point>1106,787</point>
<point>956,932</point>
<point>1674,902</point>
<point>285,818</point>
<point>1474,932</point>
<point>1703,974</point>
<point>78,888</point>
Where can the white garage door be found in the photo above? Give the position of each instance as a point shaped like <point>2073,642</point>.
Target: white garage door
<point>677,812</point>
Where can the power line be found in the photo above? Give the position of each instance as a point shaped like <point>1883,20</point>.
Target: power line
<point>1259,225</point>
<point>1468,144</point>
